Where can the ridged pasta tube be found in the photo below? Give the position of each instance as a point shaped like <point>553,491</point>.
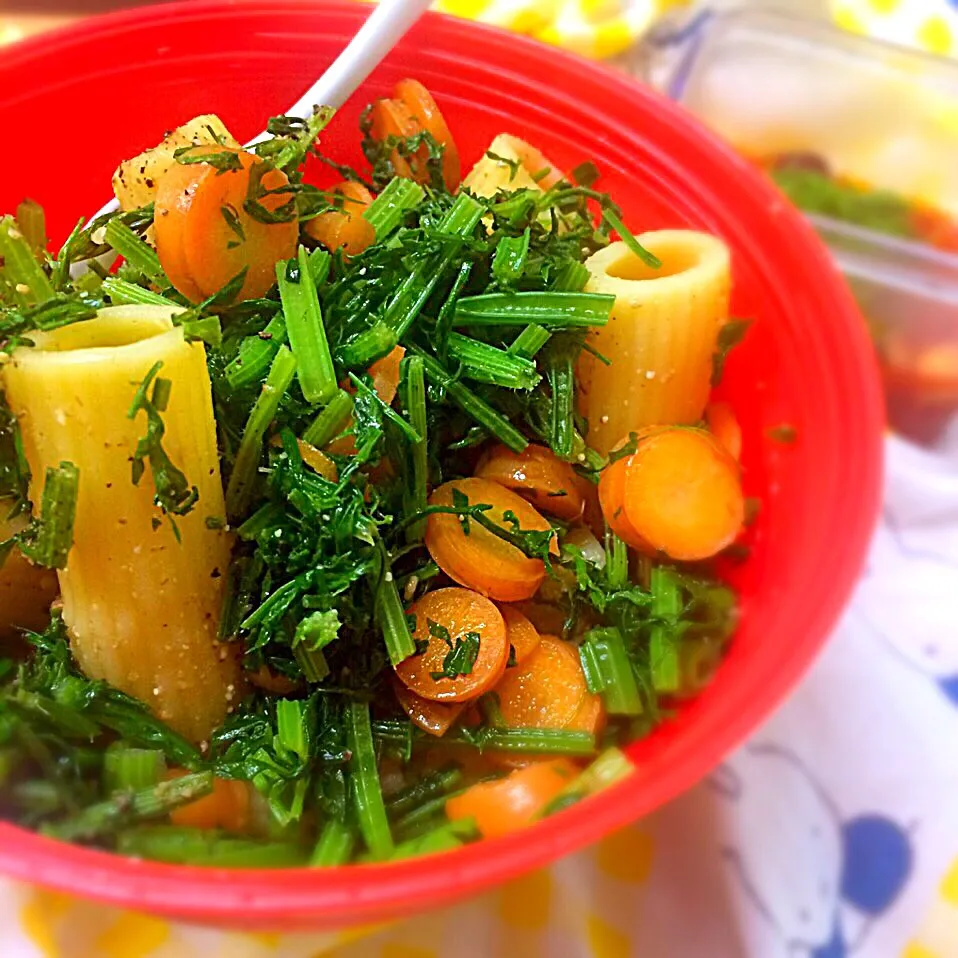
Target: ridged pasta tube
<point>26,590</point>
<point>504,169</point>
<point>661,337</point>
<point>141,607</point>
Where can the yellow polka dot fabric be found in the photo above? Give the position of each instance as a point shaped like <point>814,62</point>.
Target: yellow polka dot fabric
<point>594,28</point>
<point>937,936</point>
<point>930,25</point>
<point>599,903</point>
<point>590,899</point>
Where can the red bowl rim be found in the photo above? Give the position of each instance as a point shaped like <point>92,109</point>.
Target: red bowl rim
<point>361,894</point>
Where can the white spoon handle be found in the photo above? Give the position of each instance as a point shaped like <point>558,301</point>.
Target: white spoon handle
<point>377,36</point>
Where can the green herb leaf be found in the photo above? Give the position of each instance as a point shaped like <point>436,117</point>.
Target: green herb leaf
<point>730,335</point>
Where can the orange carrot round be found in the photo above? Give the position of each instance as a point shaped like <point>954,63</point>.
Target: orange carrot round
<point>536,474</point>
<point>204,235</point>
<point>432,717</point>
<point>268,680</point>
<point>391,118</point>
<point>424,112</point>
<point>681,495</point>
<point>385,374</point>
<point>444,619</point>
<point>413,110</point>
<point>547,690</point>
<point>722,424</point>
<point>522,635</point>
<point>318,461</point>
<point>611,501</point>
<point>481,560</point>
<point>346,229</point>
<point>511,803</point>
<point>590,717</point>
<point>226,807</point>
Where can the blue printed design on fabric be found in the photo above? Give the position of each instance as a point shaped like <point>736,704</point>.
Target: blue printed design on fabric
<point>908,600</point>
<point>819,879</point>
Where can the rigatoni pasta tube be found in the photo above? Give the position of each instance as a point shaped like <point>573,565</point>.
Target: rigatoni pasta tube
<point>661,336</point>
<point>26,590</point>
<point>502,167</point>
<point>141,607</point>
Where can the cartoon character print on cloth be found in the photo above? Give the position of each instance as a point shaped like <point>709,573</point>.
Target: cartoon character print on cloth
<point>912,571</point>
<point>818,879</point>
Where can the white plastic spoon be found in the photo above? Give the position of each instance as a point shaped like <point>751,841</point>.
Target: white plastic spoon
<point>383,29</point>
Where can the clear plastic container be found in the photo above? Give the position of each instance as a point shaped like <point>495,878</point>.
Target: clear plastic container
<point>873,115</point>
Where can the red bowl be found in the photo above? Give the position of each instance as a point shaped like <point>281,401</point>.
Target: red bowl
<point>75,102</point>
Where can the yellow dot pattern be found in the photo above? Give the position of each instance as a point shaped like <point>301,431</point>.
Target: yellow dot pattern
<point>390,950</point>
<point>606,941</point>
<point>949,885</point>
<point>929,25</point>
<point>915,950</point>
<point>39,918</point>
<point>849,20</point>
<point>594,28</point>
<point>133,936</point>
<point>527,903</point>
<point>935,35</point>
<point>626,856</point>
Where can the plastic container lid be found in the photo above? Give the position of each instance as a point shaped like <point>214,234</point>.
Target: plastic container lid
<point>78,101</point>
<point>772,83</point>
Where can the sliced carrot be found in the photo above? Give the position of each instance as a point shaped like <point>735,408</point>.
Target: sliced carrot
<point>481,560</point>
<point>391,118</point>
<point>265,678</point>
<point>681,495</point>
<point>547,618</point>
<point>547,690</point>
<point>205,236</point>
<point>590,717</point>
<point>522,635</point>
<point>413,110</point>
<point>510,804</point>
<point>612,501</point>
<point>432,717</point>
<point>722,424</point>
<point>226,807</point>
<point>346,229</point>
<point>385,374</point>
<point>318,461</point>
<point>536,474</point>
<point>424,112</point>
<point>456,615</point>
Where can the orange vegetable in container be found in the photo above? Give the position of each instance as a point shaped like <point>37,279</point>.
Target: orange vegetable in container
<point>481,560</point>
<point>511,803</point>
<point>547,690</point>
<point>679,493</point>
<point>385,376</point>
<point>436,718</point>
<point>521,633</point>
<point>539,475</point>
<point>413,110</point>
<point>612,502</point>
<point>346,229</point>
<point>720,418</point>
<point>466,646</point>
<point>205,234</point>
<point>226,807</point>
